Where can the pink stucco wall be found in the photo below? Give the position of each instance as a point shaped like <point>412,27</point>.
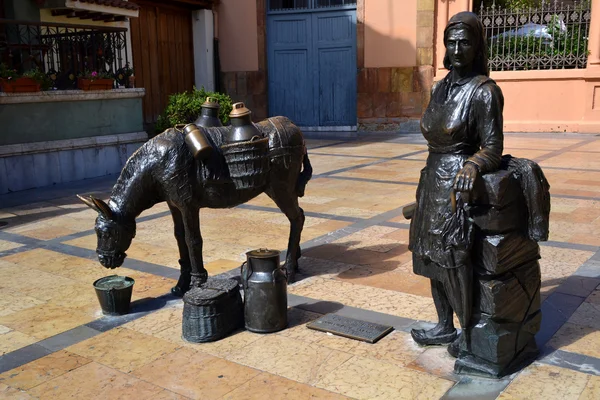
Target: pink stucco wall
<point>540,101</point>
<point>390,33</point>
<point>238,35</point>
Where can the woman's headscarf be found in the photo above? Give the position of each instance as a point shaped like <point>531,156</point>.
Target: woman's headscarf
<point>469,20</point>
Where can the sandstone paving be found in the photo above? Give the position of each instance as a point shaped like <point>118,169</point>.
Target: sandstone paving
<point>351,258</point>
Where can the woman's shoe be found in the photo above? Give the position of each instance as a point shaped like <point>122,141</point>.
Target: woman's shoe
<point>428,338</point>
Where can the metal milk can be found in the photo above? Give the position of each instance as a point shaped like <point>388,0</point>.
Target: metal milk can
<point>197,142</point>
<point>265,291</point>
<point>242,128</point>
<point>209,114</point>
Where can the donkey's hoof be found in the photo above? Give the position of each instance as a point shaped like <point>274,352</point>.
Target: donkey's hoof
<point>291,276</point>
<point>177,291</point>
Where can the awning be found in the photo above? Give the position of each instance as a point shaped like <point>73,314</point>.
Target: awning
<point>96,10</point>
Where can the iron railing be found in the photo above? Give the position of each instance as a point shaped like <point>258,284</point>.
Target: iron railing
<point>62,51</point>
<point>551,36</point>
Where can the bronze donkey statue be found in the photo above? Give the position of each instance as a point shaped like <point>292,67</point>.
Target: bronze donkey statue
<point>163,169</point>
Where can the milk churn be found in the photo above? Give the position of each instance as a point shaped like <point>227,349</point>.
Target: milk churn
<point>197,142</point>
<point>209,114</point>
<point>243,129</point>
<point>265,291</point>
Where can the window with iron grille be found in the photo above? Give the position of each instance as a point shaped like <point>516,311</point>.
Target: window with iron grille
<point>536,34</point>
<point>288,5</point>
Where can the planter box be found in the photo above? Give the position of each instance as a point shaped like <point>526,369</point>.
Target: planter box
<point>19,85</point>
<point>96,84</point>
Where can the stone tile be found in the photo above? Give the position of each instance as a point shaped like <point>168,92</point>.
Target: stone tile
<point>45,320</point>
<point>47,232</point>
<point>577,339</point>
<point>573,159</point>
<point>369,298</point>
<point>546,382</point>
<point>290,358</point>
<point>9,393</point>
<point>321,267</point>
<point>220,266</point>
<point>42,370</point>
<point>123,349</point>
<point>6,245</point>
<point>29,281</point>
<point>12,301</point>
<point>96,381</point>
<point>148,285</point>
<point>265,385</point>
<point>400,281</point>
<point>79,297</point>
<point>158,321</point>
<point>221,348</point>
<point>534,143</point>
<point>592,389</point>
<point>14,340</point>
<point>76,269</point>
<point>435,360</point>
<point>195,374</point>
<point>364,378</point>
<point>397,348</point>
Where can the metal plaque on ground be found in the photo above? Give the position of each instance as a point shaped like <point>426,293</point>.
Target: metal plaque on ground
<point>350,328</point>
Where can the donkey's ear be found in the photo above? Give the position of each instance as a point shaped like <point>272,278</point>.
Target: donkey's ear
<point>97,205</point>
<point>88,201</point>
<point>103,207</point>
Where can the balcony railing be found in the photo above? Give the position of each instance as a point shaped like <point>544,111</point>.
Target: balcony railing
<point>62,51</point>
<point>551,36</point>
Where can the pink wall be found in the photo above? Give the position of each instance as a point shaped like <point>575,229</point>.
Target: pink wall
<point>540,101</point>
<point>238,35</point>
<point>390,33</point>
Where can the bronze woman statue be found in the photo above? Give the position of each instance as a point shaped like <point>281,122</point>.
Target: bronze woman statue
<point>463,128</point>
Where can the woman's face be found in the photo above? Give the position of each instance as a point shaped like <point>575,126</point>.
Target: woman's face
<point>460,48</point>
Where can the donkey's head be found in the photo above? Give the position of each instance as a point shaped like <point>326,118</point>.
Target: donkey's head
<point>114,235</point>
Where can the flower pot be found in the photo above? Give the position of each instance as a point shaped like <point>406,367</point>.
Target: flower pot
<point>95,84</point>
<point>19,85</point>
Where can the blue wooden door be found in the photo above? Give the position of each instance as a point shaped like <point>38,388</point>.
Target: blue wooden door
<point>334,43</point>
<point>291,91</point>
<point>312,67</point>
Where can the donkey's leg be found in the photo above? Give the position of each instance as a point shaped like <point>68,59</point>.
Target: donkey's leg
<point>287,202</point>
<point>183,284</point>
<point>193,239</point>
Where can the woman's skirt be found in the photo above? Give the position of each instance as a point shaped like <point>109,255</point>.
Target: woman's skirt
<point>432,211</point>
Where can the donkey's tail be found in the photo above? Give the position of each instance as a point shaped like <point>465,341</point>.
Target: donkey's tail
<point>304,176</point>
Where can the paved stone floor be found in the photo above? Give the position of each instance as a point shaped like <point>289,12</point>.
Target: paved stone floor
<point>55,343</point>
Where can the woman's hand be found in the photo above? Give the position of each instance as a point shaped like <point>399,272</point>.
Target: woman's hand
<point>465,179</point>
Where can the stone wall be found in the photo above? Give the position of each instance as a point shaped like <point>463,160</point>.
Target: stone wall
<point>389,96</point>
<point>249,87</point>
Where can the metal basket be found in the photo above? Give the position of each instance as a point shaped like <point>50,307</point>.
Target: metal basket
<point>212,311</point>
<point>248,162</point>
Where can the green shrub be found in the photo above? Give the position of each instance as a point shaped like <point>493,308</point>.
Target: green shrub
<point>184,108</point>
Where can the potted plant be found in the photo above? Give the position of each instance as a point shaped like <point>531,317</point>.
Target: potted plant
<point>11,82</point>
<point>94,80</point>
<point>41,78</point>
